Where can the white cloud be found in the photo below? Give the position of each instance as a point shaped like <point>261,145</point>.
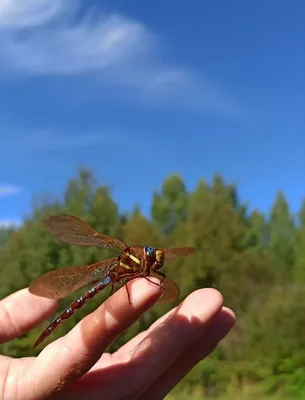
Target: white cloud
<point>10,223</point>
<point>47,37</point>
<point>27,13</point>
<point>8,190</point>
<point>50,47</point>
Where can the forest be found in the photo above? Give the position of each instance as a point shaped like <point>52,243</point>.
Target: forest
<point>256,261</point>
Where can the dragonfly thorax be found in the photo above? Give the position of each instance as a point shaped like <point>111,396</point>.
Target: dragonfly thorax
<point>129,261</point>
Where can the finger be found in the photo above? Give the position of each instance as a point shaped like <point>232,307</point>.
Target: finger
<point>21,311</point>
<point>134,342</point>
<point>74,354</point>
<point>192,354</point>
<point>152,356</point>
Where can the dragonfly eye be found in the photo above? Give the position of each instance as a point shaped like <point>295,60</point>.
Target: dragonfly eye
<point>149,250</point>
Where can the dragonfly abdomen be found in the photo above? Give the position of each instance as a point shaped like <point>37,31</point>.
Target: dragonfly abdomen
<point>73,307</point>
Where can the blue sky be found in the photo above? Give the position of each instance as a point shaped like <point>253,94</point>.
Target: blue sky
<point>138,90</point>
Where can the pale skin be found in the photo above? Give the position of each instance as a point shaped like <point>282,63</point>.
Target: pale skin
<point>76,365</point>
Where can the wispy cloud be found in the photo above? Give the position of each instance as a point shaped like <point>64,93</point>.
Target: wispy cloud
<point>10,223</point>
<point>27,13</point>
<point>9,190</point>
<point>41,37</point>
<point>48,37</point>
<point>44,141</point>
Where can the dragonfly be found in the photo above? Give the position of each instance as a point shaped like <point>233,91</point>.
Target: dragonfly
<point>132,262</point>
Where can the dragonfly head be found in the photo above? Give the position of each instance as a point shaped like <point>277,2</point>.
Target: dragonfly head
<point>156,256</point>
<point>159,258</point>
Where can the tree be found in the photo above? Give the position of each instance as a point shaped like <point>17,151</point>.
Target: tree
<point>226,258</point>
<point>299,267</point>
<point>282,234</point>
<point>274,340</point>
<point>4,235</point>
<point>170,207</point>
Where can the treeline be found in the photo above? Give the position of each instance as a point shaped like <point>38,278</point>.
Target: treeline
<point>256,261</point>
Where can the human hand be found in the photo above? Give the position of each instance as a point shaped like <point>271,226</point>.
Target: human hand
<point>76,367</point>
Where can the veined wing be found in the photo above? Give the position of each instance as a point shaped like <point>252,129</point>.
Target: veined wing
<point>178,252</point>
<point>60,282</point>
<point>171,290</point>
<point>72,230</point>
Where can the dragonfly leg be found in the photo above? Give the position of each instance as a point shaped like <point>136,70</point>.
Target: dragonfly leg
<point>160,274</point>
<point>128,277</point>
<point>128,295</point>
<point>157,284</point>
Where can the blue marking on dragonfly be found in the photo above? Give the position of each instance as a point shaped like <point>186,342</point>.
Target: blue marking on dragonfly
<point>106,280</point>
<point>103,283</point>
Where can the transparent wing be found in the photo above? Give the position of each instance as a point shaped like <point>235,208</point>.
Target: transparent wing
<point>72,230</point>
<point>171,290</point>
<point>58,283</point>
<point>178,252</point>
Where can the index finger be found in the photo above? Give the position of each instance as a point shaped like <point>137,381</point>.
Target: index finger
<point>21,311</point>
<point>74,354</point>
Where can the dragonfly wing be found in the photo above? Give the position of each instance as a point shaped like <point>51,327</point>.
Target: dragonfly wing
<point>178,252</point>
<point>58,283</point>
<point>72,230</point>
<point>171,290</point>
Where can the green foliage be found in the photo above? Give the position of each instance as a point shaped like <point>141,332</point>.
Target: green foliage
<point>282,230</point>
<point>257,263</point>
<point>4,235</point>
<point>299,246</point>
<point>170,207</point>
